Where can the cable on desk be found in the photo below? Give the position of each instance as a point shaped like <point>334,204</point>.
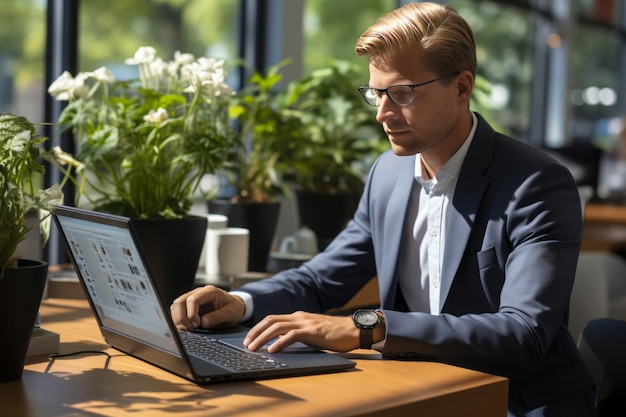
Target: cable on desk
<point>56,356</point>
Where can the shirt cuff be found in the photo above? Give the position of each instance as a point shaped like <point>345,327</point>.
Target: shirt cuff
<point>247,300</point>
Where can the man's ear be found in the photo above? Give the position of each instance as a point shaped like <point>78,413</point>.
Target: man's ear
<point>465,85</point>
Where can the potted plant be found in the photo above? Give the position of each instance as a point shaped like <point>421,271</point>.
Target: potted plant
<point>329,152</point>
<point>22,281</point>
<point>144,145</point>
<point>251,169</point>
<point>336,140</point>
<point>258,110</point>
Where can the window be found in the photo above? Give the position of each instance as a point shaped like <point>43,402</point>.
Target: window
<point>111,31</point>
<point>504,37</point>
<point>327,34</point>
<point>594,81</point>
<point>22,56</point>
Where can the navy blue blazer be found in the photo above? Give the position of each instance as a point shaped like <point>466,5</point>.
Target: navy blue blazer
<point>509,263</point>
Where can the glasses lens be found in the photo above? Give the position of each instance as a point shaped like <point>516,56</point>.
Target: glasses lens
<point>402,95</point>
<point>369,95</point>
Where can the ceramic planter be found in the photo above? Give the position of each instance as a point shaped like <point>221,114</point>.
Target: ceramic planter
<point>21,290</point>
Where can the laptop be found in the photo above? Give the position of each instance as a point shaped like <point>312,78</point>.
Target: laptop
<point>123,296</point>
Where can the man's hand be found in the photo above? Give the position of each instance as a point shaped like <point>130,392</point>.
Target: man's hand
<point>321,331</point>
<point>206,307</point>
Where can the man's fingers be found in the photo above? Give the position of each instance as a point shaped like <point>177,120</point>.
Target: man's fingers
<point>215,318</point>
<point>223,310</point>
<point>267,329</point>
<point>179,313</point>
<point>185,309</point>
<point>283,341</point>
<point>321,331</point>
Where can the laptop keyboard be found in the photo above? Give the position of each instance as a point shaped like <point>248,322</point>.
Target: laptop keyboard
<point>225,355</point>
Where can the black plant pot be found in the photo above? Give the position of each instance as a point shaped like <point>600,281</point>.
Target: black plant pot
<point>325,214</point>
<point>21,290</point>
<point>259,218</point>
<point>172,248</point>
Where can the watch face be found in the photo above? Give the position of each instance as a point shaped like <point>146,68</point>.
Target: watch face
<point>366,318</point>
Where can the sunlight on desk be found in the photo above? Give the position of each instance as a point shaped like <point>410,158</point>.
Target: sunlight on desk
<point>81,386</point>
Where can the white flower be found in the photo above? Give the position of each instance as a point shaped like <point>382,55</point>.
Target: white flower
<point>156,116</point>
<point>158,68</point>
<point>143,55</point>
<point>65,158</point>
<point>66,87</point>
<point>62,84</point>
<point>103,74</point>
<point>51,195</point>
<point>180,60</point>
<point>208,76</point>
<point>183,58</point>
<point>172,69</point>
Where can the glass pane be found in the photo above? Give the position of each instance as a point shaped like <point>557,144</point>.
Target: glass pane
<point>504,39</point>
<point>22,56</point>
<point>595,115</point>
<point>606,11</point>
<point>594,79</point>
<point>327,34</point>
<point>111,31</point>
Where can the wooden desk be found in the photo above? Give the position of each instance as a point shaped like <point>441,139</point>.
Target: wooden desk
<point>604,228</point>
<point>82,387</point>
<point>605,213</point>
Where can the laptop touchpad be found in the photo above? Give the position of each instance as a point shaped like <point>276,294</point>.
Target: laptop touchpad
<point>293,348</point>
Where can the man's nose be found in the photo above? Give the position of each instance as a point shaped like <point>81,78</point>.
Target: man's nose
<point>386,108</point>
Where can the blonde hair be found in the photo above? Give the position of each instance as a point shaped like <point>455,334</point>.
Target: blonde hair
<point>437,30</point>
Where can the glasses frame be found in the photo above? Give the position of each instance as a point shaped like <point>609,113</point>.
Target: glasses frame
<point>363,90</point>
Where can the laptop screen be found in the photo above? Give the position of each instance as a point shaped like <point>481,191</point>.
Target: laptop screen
<point>117,281</point>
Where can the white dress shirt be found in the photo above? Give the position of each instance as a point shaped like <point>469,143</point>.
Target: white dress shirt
<point>425,231</point>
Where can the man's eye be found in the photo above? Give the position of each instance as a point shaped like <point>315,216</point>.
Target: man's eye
<point>401,94</point>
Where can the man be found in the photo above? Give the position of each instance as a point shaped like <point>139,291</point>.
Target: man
<point>473,236</point>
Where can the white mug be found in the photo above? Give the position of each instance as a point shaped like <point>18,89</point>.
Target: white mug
<point>227,253</point>
<point>214,221</point>
<point>306,241</point>
<point>303,241</point>
<point>289,244</point>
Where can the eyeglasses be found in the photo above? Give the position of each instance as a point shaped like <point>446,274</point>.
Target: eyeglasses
<point>401,94</point>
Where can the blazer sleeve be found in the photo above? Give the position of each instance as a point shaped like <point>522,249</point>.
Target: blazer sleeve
<point>329,280</point>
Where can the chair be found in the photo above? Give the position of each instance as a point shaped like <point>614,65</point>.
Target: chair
<point>599,289</point>
<point>603,346</point>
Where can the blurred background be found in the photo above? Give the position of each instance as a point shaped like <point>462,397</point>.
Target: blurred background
<point>555,67</point>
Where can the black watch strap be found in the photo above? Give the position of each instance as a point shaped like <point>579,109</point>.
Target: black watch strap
<point>366,337</point>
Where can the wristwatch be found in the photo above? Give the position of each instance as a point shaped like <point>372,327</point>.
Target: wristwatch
<point>365,321</point>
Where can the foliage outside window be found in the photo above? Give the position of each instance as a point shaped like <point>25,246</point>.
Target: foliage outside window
<point>112,30</point>
<point>22,53</point>
<point>328,37</point>
<point>504,39</point>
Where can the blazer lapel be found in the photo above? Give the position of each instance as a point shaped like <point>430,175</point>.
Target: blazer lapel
<point>468,194</point>
<point>393,231</point>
